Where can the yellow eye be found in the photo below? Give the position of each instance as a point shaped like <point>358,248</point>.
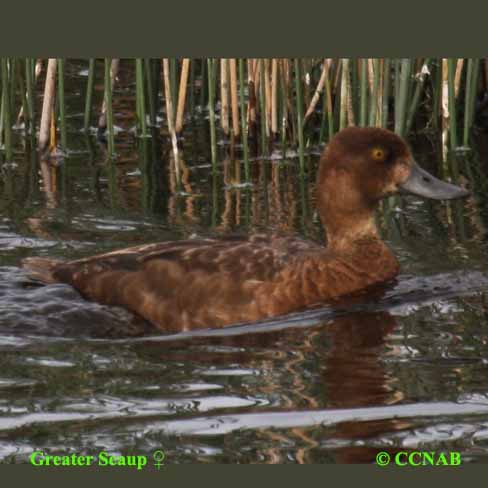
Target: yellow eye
<point>378,154</point>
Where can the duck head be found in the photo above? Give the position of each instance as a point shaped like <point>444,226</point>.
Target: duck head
<point>361,166</point>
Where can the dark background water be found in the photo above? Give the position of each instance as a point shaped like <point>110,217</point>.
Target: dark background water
<point>407,370</point>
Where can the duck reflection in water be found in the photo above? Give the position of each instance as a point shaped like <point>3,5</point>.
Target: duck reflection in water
<point>338,364</point>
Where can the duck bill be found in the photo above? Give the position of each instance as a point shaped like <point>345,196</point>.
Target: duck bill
<point>425,185</point>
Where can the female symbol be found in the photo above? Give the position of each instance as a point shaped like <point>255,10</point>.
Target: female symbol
<point>158,458</point>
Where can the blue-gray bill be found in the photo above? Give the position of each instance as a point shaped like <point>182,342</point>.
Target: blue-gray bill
<point>423,184</point>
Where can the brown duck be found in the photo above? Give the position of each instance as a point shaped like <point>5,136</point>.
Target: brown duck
<point>183,285</point>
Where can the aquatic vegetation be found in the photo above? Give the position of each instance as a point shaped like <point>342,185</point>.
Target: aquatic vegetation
<point>256,104</point>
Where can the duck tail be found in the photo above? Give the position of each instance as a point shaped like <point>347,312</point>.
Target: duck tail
<point>41,269</point>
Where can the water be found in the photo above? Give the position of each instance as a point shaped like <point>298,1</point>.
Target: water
<point>403,370</point>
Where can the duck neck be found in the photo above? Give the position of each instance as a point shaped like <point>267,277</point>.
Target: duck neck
<point>346,213</point>
<point>345,208</point>
<point>344,228</point>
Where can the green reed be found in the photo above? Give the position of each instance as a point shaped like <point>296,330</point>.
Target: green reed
<point>436,93</point>
<point>363,93</point>
<point>328,104</point>
<point>262,109</point>
<point>62,106</point>
<point>211,112</point>
<point>89,94</point>
<point>6,110</point>
<point>419,87</point>
<point>149,76</point>
<point>140,98</point>
<point>11,84</point>
<point>470,97</point>
<point>244,128</point>
<point>299,104</point>
<point>451,68</point>
<point>386,92</point>
<point>109,107</point>
<point>25,110</point>
<point>30,93</point>
<point>404,68</point>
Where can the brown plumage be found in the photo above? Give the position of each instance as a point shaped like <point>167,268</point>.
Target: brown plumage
<point>213,283</point>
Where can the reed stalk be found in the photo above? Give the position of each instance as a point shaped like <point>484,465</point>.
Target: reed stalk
<point>363,93</point>
<point>108,106</point>
<point>476,71</point>
<point>211,101</point>
<point>344,93</point>
<point>467,97</point>
<point>38,68</point>
<point>140,97</point>
<point>470,97</point>
<point>374,107</point>
<point>252,73</point>
<point>168,94</point>
<point>330,108</point>
<point>2,105</point>
<point>299,104</point>
<point>323,122</point>
<point>180,112</point>
<point>173,70</point>
<point>47,105</point>
<point>318,91</point>
<point>149,76</point>
<point>192,90</point>
<point>203,78</point>
<point>289,125</point>
<point>267,94</point>
<point>234,98</point>
<point>89,94</point>
<point>283,122</point>
<point>397,78</point>
<point>243,120</point>
<point>274,97</point>
<point>445,109</point>
<point>262,108</point>
<point>401,101</point>
<point>62,105</point>
<point>24,109</point>
<point>351,120</point>
<point>52,134</point>
<point>30,92</point>
<point>354,69</point>
<point>386,93</point>
<point>11,85</point>
<point>419,90</point>
<point>457,77</point>
<point>6,114</point>
<point>379,119</point>
<point>451,70</point>
<point>224,96</point>
<point>114,70</point>
<point>325,106</point>
<point>336,70</point>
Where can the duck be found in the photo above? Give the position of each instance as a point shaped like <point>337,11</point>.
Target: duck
<point>209,283</point>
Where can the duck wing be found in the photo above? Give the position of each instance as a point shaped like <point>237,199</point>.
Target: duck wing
<point>182,284</point>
